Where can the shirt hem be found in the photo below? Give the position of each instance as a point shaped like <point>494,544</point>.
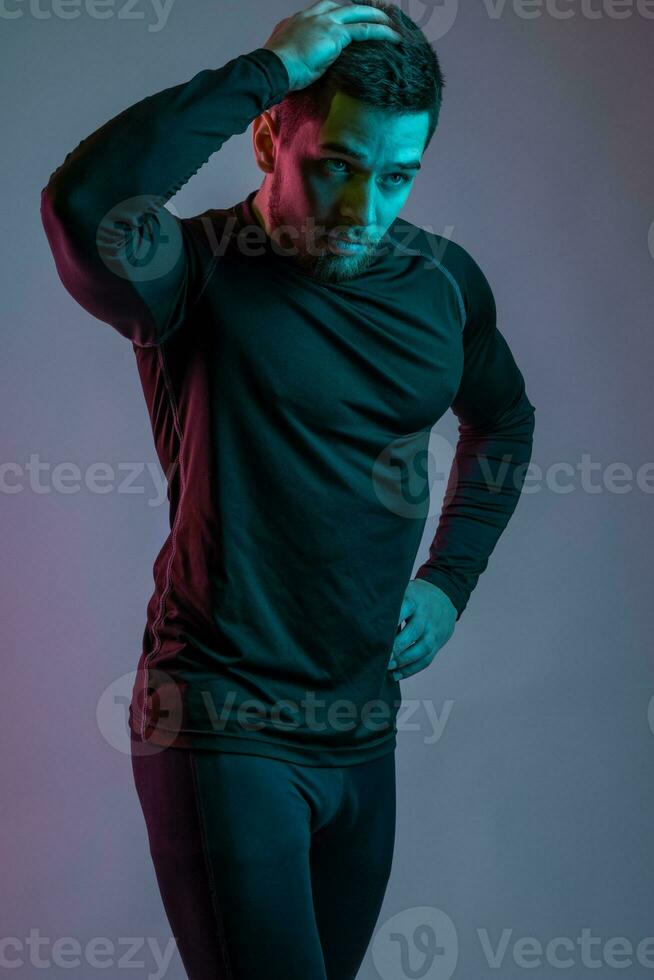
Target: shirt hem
<point>257,745</point>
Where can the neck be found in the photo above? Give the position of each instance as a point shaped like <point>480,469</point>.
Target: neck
<point>260,207</point>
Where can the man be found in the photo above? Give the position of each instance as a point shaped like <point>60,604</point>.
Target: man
<point>295,351</point>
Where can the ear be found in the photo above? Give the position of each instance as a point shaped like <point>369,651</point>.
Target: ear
<point>265,135</point>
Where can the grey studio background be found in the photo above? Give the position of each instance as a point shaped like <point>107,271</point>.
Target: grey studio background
<point>525,758</point>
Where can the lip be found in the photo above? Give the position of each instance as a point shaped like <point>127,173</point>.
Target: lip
<point>348,242</point>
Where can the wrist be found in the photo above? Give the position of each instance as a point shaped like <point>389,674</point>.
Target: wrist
<point>287,62</point>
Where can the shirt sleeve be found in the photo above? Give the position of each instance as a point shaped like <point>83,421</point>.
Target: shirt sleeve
<point>496,427</point>
<point>121,254</point>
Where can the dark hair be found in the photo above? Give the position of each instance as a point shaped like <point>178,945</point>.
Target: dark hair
<point>402,76</point>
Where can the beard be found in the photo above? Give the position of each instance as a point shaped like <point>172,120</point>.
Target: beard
<point>328,267</point>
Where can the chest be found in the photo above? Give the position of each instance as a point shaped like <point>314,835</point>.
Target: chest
<point>338,357</point>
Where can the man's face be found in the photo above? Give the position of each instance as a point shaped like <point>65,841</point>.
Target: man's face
<point>319,190</point>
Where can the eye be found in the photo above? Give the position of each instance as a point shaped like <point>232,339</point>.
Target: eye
<point>404,179</point>
<point>331,160</point>
<point>332,164</point>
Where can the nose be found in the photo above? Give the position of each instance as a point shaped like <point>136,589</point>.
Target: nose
<point>358,205</point>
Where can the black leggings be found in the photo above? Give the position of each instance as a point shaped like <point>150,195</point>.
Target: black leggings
<point>268,870</point>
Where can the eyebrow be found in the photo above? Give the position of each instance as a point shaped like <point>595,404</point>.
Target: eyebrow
<point>356,155</point>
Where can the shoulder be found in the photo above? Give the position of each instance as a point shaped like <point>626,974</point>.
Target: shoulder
<point>474,292</point>
<point>210,236</point>
<point>209,227</point>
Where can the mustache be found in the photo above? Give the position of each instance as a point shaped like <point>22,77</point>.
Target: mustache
<point>339,232</point>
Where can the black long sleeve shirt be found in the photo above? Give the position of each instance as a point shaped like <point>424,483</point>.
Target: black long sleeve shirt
<point>292,420</point>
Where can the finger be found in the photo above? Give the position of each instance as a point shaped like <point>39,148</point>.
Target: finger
<point>424,648</point>
<point>417,653</point>
<point>371,32</point>
<point>320,5</point>
<point>406,640</point>
<point>415,668</point>
<point>408,607</point>
<point>359,11</point>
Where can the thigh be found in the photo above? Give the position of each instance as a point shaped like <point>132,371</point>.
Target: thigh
<point>249,840</point>
<point>164,784</point>
<point>256,823</point>
<point>351,861</point>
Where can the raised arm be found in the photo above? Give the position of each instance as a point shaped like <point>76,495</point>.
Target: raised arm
<point>118,251</point>
<point>496,427</point>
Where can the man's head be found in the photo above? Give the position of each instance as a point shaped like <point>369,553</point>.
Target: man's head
<point>379,99</point>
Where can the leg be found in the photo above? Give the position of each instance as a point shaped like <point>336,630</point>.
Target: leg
<point>257,828</point>
<point>351,862</point>
<point>164,784</point>
<point>230,838</point>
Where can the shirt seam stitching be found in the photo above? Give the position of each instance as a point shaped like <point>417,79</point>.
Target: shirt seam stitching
<point>446,272</point>
<point>159,619</point>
